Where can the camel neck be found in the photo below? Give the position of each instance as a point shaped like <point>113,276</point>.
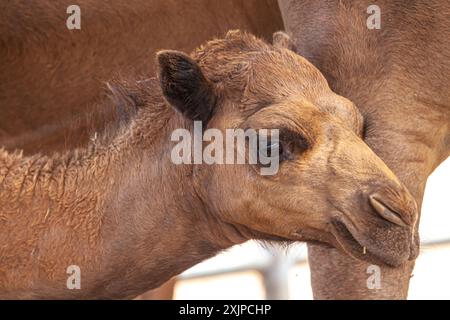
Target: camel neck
<point>164,226</point>
<point>122,213</point>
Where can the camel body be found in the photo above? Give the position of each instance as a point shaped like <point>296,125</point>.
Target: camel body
<point>57,121</point>
<point>44,66</point>
<point>128,218</point>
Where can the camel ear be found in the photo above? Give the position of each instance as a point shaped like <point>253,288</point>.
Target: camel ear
<point>283,41</point>
<point>184,86</point>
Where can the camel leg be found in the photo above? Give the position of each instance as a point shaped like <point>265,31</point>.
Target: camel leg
<point>335,275</point>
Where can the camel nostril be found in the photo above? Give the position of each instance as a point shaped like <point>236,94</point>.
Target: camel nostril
<point>385,212</point>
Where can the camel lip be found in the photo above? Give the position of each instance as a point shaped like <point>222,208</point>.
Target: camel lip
<point>386,212</point>
<point>348,243</point>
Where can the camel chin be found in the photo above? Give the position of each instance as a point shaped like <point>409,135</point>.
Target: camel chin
<point>362,247</point>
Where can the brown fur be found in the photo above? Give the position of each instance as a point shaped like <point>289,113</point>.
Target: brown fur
<point>131,219</point>
<point>44,66</point>
<point>398,77</point>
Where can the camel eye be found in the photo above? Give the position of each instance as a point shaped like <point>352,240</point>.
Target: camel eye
<point>283,146</point>
<point>270,150</point>
<point>276,148</point>
<point>294,144</point>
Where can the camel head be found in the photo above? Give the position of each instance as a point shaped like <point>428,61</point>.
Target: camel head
<point>329,186</point>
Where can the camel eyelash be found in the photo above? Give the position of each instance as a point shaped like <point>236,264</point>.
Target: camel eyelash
<point>365,128</point>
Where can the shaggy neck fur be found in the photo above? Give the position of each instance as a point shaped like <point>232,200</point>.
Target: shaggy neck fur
<point>113,209</point>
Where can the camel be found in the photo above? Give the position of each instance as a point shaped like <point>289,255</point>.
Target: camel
<point>44,65</point>
<point>398,78</point>
<point>129,219</point>
<point>48,62</point>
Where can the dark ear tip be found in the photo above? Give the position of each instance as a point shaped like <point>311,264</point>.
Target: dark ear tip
<point>162,56</point>
<point>167,58</point>
<point>166,54</point>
